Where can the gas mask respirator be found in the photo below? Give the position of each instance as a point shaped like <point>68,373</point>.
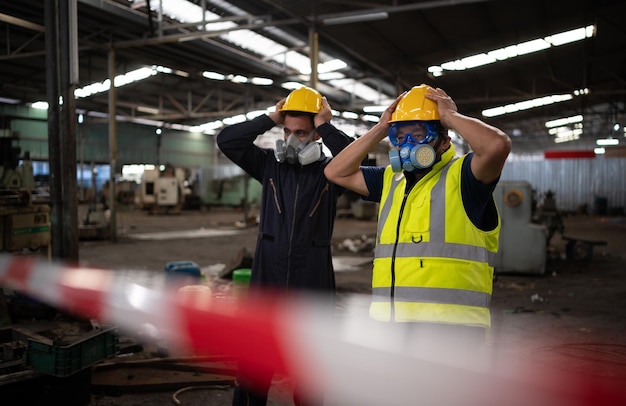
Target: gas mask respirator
<point>412,155</point>
<point>293,151</point>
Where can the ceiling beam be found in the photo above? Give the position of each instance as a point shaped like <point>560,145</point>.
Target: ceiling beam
<point>22,23</point>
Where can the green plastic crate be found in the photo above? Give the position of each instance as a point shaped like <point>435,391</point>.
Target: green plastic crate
<point>66,360</point>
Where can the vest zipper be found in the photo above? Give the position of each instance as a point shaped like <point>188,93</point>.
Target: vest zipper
<point>393,255</point>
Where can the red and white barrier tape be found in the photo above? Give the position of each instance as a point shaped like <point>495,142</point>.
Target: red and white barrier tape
<point>351,359</point>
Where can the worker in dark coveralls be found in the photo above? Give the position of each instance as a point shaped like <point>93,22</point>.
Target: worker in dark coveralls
<point>298,206</point>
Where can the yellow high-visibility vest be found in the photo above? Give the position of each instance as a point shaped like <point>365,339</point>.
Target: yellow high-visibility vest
<point>431,263</point>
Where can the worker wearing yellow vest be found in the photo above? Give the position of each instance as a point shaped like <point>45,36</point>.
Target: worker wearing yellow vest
<point>438,224</point>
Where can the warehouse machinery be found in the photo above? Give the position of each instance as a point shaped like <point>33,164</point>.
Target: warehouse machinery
<point>162,192</point>
<point>24,215</point>
<point>522,242</point>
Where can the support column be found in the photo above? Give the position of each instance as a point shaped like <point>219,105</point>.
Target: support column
<point>61,80</point>
<point>112,146</point>
<point>314,55</point>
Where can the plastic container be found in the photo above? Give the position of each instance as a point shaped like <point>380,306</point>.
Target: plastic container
<point>241,281</point>
<point>181,273</point>
<point>196,295</point>
<point>62,361</point>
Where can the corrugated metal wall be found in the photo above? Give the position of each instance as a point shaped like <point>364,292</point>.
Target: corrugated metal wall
<point>575,182</point>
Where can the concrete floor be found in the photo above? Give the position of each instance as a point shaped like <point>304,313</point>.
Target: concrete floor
<point>579,303</point>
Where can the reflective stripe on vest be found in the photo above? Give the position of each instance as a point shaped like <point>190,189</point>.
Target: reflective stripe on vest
<point>433,295</point>
<point>436,249</point>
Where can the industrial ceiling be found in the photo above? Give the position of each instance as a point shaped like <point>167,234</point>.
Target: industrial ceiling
<point>388,55</point>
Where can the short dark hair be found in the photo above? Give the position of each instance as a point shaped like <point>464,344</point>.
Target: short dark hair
<point>292,113</point>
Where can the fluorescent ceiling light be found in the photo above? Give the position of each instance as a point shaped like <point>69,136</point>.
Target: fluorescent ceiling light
<point>571,36</point>
<point>599,151</point>
<point>525,105</point>
<point>559,131</point>
<point>238,79</point>
<point>255,113</point>
<point>513,51</point>
<point>375,109</point>
<point>40,105</point>
<point>9,101</point>
<point>568,136</point>
<point>121,80</point>
<point>291,85</point>
<point>370,117</point>
<point>213,75</point>
<point>607,141</point>
<point>207,127</point>
<point>261,81</point>
<point>355,18</point>
<point>564,121</point>
<point>239,118</point>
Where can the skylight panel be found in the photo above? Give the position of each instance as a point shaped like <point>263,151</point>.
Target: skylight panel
<point>331,75</point>
<point>332,65</point>
<point>252,41</point>
<point>357,88</point>
<point>185,12</point>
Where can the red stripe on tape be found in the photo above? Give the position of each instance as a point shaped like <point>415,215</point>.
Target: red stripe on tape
<point>18,272</point>
<point>251,331</point>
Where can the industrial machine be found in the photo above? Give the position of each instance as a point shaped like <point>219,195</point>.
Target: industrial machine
<point>548,214</point>
<point>522,242</point>
<point>162,191</point>
<point>24,220</point>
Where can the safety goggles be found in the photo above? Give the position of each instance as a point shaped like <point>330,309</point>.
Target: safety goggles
<point>399,139</point>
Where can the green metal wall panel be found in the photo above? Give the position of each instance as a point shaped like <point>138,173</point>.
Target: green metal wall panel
<point>231,192</point>
<point>136,143</point>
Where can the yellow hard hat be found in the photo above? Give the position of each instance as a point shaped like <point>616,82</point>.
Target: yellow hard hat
<point>415,107</point>
<point>304,99</point>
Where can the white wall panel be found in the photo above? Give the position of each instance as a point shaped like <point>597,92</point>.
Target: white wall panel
<point>574,181</point>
